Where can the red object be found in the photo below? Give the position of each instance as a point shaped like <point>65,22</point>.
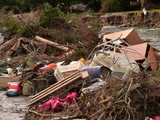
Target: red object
<point>48,67</point>
<point>45,106</point>
<point>14,86</point>
<point>70,98</point>
<point>51,66</point>
<point>52,104</point>
<point>56,103</point>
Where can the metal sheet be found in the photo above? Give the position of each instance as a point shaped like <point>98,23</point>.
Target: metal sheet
<point>130,36</point>
<point>135,52</point>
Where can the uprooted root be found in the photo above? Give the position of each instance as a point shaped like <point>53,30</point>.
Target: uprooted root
<point>121,100</point>
<point>118,100</point>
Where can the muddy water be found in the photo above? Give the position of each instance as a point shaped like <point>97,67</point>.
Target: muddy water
<point>148,34</point>
<point>152,34</point>
<point>12,108</point>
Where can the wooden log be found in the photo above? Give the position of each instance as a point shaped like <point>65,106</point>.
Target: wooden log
<point>4,48</point>
<point>7,45</point>
<point>51,43</point>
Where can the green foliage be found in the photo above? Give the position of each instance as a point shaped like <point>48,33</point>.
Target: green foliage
<point>93,4</point>
<point>107,5</point>
<point>50,14</point>
<point>18,5</point>
<point>79,53</point>
<point>114,5</point>
<point>16,28</point>
<point>110,5</point>
<point>28,5</point>
<point>63,3</point>
<point>25,5</point>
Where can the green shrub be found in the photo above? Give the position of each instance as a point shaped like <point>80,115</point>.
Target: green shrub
<point>19,5</point>
<point>93,4</point>
<point>49,15</point>
<point>15,27</point>
<point>114,5</point>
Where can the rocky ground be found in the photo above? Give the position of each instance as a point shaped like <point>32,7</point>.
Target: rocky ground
<point>12,108</point>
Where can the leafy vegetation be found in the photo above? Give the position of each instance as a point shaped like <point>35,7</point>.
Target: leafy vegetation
<point>115,5</point>
<point>12,25</point>
<point>54,10</point>
<point>107,5</point>
<point>50,14</point>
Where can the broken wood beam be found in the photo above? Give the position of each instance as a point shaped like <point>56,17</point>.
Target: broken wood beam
<point>51,43</point>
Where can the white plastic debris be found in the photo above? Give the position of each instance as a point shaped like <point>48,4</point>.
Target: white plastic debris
<point>9,70</point>
<point>144,11</point>
<point>94,87</point>
<point>1,38</point>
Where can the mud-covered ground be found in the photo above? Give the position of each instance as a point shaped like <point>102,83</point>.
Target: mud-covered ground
<point>12,108</point>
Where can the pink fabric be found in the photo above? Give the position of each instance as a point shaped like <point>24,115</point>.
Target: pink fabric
<point>52,104</point>
<point>70,98</point>
<point>56,103</point>
<point>157,118</point>
<point>45,106</point>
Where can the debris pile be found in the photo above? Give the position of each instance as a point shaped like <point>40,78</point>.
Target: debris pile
<point>22,46</point>
<point>115,83</point>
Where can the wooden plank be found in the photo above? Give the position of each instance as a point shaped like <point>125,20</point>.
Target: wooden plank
<point>64,80</point>
<point>54,89</point>
<point>51,43</point>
